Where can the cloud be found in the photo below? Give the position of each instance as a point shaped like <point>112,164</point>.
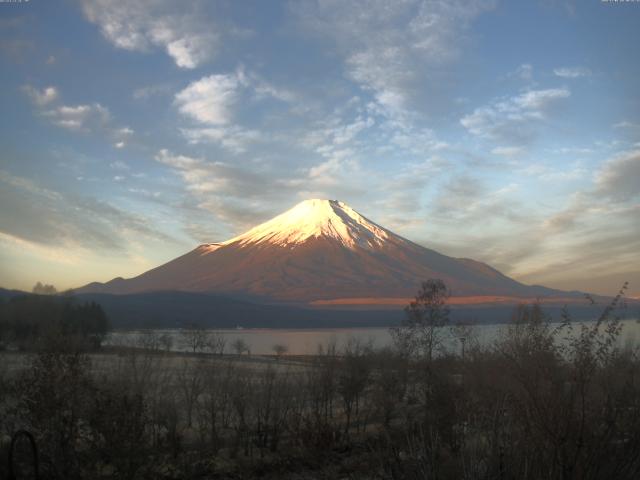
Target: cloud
<point>87,117</point>
<point>236,195</point>
<point>508,151</point>
<point>148,91</point>
<point>83,118</point>
<point>120,165</point>
<point>572,72</point>
<point>233,138</point>
<point>41,97</point>
<point>619,177</point>
<point>212,101</point>
<point>524,72</point>
<point>239,197</point>
<point>209,99</point>
<point>595,231</point>
<point>36,214</point>
<point>575,171</point>
<point>204,177</point>
<point>184,31</point>
<point>586,240</point>
<point>514,119</point>
<point>467,198</point>
<point>625,124</point>
<point>389,47</point>
<point>614,190</point>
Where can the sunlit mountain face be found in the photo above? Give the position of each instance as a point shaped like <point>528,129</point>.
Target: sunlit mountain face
<point>320,251</point>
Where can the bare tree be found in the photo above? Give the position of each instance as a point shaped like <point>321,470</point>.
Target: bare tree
<point>419,333</point>
<point>166,341</point>
<point>216,343</point>
<point>240,346</point>
<point>194,338</point>
<point>280,349</point>
<point>353,378</point>
<point>189,380</point>
<point>214,405</point>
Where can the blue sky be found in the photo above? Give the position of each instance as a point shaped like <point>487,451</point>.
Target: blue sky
<point>508,132</point>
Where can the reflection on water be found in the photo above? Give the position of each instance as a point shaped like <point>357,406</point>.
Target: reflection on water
<point>306,341</point>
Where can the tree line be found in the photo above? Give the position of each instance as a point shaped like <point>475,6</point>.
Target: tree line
<point>30,322</point>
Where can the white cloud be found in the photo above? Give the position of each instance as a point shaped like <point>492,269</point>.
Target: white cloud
<point>390,47</point>
<point>188,36</point>
<point>572,72</point>
<point>508,151</point>
<point>233,138</point>
<point>524,72</point>
<point>537,101</point>
<point>236,195</point>
<point>514,119</point>
<point>86,117</point>
<point>264,89</point>
<point>209,99</point>
<point>176,161</point>
<point>120,165</point>
<point>41,97</point>
<point>625,124</point>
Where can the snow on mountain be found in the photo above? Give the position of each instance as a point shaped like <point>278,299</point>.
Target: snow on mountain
<point>313,219</point>
<point>318,250</point>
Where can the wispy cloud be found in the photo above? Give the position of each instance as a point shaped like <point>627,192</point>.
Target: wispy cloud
<point>572,72</point>
<point>236,195</point>
<point>524,72</point>
<point>514,119</point>
<point>209,100</point>
<point>143,93</point>
<point>41,97</point>
<point>233,138</point>
<point>187,36</point>
<point>37,214</point>
<point>619,177</point>
<point>212,100</point>
<point>83,118</point>
<point>508,151</point>
<point>388,48</point>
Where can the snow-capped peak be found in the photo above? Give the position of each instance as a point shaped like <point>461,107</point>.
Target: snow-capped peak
<point>316,218</point>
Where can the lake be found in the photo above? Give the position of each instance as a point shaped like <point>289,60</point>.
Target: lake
<point>306,341</point>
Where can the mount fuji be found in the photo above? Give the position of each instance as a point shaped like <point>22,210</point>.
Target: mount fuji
<point>322,252</point>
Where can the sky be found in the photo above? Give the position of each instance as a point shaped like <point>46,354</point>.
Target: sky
<point>504,131</point>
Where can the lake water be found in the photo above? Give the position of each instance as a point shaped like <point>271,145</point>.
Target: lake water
<point>306,341</point>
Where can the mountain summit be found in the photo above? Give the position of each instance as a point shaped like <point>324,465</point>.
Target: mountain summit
<point>318,251</point>
<point>316,218</point>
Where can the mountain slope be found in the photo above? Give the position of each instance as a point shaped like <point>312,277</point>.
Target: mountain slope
<point>318,250</point>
